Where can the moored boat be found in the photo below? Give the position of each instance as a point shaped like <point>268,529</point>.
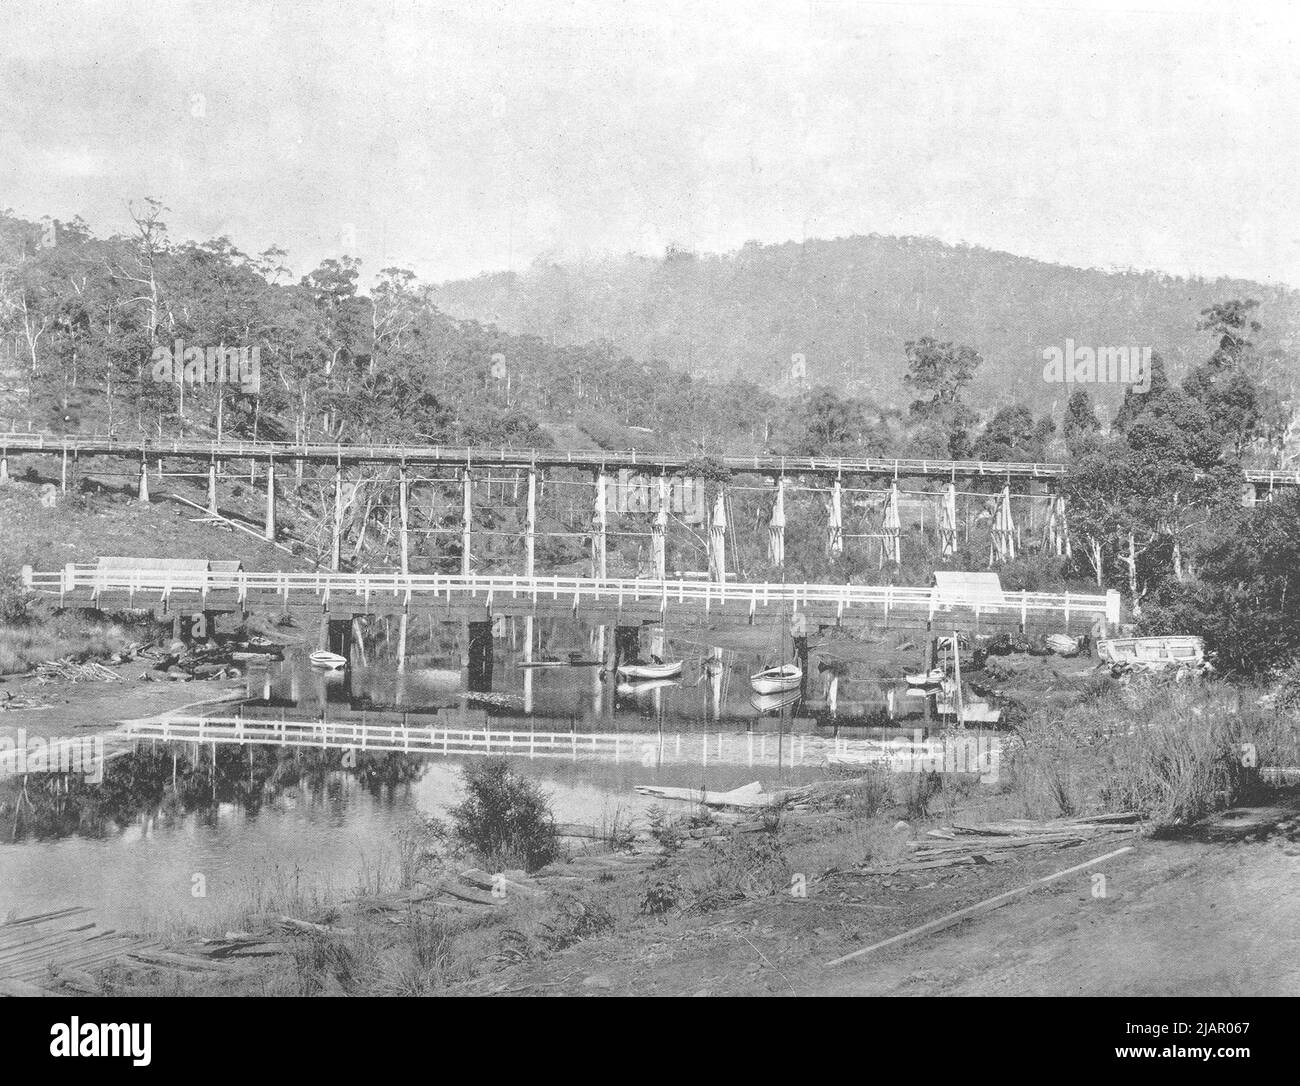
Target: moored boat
<point>776,680</point>
<point>933,677</point>
<point>329,660</point>
<point>651,671</point>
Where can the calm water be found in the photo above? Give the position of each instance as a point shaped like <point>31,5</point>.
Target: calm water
<point>169,815</point>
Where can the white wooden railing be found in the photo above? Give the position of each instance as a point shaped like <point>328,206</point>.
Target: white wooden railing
<point>934,602</point>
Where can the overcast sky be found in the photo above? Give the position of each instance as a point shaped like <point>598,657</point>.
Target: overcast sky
<point>454,138</point>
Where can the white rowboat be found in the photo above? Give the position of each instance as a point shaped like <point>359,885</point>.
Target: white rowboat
<point>776,680</point>
<point>331,660</point>
<point>651,671</point>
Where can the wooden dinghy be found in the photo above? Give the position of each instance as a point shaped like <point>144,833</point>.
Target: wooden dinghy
<point>668,670</point>
<point>776,680</point>
<point>330,661</point>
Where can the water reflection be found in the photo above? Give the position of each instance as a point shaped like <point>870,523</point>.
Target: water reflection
<point>315,770</point>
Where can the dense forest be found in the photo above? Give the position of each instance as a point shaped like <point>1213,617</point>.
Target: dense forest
<point>1154,488</point>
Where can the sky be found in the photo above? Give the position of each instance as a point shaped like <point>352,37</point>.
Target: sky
<point>458,138</point>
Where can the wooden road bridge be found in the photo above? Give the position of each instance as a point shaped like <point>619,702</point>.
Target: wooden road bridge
<point>627,497</point>
<point>177,588</point>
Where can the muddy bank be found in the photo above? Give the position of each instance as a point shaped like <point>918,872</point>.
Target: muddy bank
<point>99,706</point>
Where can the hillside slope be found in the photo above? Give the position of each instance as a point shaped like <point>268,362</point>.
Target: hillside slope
<point>849,304</point>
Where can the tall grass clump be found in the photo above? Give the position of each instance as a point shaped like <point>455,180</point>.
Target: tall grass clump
<point>505,819</point>
<point>1186,751</point>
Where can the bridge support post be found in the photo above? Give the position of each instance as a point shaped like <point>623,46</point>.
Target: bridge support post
<point>269,528</point>
<point>336,542</point>
<point>466,520</point>
<point>659,532</point>
<point>718,538</point>
<point>530,527</point>
<point>1002,545</point>
<point>4,470</point>
<point>63,476</point>
<point>143,493</point>
<point>948,522</point>
<point>835,529</point>
<point>600,527</point>
<point>893,526</point>
<point>403,542</point>
<point>776,527</point>
<point>212,487</point>
<point>1058,530</point>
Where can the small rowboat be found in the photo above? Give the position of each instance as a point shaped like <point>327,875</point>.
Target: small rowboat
<point>776,680</point>
<point>331,661</point>
<point>651,671</point>
<point>933,677</point>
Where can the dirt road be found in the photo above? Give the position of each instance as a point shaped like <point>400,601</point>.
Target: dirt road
<point>1177,919</point>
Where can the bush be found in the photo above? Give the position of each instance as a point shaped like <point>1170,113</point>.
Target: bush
<point>505,819</point>
<point>14,599</point>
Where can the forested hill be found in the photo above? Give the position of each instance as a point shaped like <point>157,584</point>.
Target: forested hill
<point>848,306</point>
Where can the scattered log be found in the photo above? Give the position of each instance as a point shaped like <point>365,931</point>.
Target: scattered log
<point>483,881</point>
<point>306,927</point>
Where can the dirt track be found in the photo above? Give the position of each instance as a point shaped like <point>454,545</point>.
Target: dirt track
<point>1177,919</point>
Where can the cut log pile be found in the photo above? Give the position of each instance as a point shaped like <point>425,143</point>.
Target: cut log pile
<point>993,842</point>
<point>55,949</point>
<point>67,670</point>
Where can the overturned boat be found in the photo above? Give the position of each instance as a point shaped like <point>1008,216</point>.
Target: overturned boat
<point>1153,653</point>
<point>776,680</point>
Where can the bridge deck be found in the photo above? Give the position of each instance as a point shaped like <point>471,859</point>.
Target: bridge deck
<point>14,443</point>
<point>380,593</point>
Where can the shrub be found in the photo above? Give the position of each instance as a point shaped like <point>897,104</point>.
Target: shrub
<point>505,819</point>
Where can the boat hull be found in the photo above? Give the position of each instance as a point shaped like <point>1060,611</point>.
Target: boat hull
<point>651,671</point>
<point>776,680</point>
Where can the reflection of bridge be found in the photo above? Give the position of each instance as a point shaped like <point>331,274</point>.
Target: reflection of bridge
<point>111,586</point>
<point>459,732</point>
<point>646,487</point>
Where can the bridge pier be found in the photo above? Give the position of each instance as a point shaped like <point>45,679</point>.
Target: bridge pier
<point>4,470</point>
<point>893,544</point>
<point>659,532</point>
<point>142,493</point>
<point>835,530</point>
<point>600,527</point>
<point>718,538</point>
<point>948,521</point>
<point>336,542</point>
<point>466,520</point>
<point>212,487</point>
<point>1002,537</point>
<point>403,542</point>
<point>530,528</point>
<point>268,532</point>
<point>776,527</point>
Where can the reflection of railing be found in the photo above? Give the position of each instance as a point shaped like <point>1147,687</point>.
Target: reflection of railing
<point>960,754</point>
<point>404,588</point>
